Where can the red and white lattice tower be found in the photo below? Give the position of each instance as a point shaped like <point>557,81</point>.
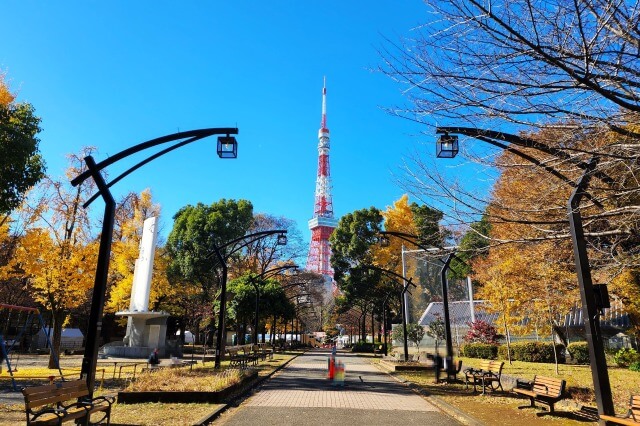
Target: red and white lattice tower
<point>323,223</point>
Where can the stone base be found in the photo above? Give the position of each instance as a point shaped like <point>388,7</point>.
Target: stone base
<point>130,351</point>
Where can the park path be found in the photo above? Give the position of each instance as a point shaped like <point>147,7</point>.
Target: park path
<point>301,394</point>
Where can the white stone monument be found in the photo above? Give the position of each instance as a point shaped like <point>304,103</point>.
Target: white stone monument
<point>146,330</point>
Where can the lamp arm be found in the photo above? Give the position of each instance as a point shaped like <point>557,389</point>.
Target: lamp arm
<point>257,235</point>
<point>140,164</point>
<point>490,136</point>
<point>200,133</point>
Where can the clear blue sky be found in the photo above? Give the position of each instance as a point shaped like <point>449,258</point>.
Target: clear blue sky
<point>114,74</point>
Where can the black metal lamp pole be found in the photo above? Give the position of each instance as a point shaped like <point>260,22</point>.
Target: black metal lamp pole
<point>404,323</point>
<point>447,324</point>
<point>384,322</point>
<point>90,358</point>
<point>227,148</point>
<point>599,372</point>
<point>223,304</point>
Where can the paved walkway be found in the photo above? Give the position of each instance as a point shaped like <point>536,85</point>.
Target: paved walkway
<point>301,394</point>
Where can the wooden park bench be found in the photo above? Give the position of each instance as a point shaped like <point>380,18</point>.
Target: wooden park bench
<point>488,375</point>
<point>61,402</point>
<point>632,417</point>
<point>236,359</point>
<point>267,351</point>
<point>547,390</point>
<point>250,356</point>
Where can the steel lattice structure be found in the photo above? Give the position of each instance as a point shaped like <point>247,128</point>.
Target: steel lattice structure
<point>323,223</point>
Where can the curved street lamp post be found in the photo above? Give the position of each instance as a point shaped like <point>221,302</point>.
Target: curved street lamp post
<point>227,148</point>
<point>414,239</point>
<point>448,144</point>
<point>222,258</point>
<point>405,289</point>
<point>253,280</point>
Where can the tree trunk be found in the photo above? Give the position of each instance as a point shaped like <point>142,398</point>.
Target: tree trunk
<point>56,338</point>
<point>508,336</point>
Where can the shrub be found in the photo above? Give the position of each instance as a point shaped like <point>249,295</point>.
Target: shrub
<point>625,357</point>
<point>579,351</point>
<point>532,352</point>
<point>481,332</point>
<point>362,347</point>
<point>635,366</point>
<point>480,350</point>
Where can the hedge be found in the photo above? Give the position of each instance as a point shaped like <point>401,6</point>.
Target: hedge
<point>579,351</point>
<point>479,350</point>
<point>363,347</point>
<point>532,352</point>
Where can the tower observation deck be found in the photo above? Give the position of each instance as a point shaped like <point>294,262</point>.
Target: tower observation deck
<point>323,223</point>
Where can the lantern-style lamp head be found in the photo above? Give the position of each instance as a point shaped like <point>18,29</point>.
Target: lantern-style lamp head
<point>282,240</point>
<point>447,146</point>
<point>383,240</point>
<point>227,147</point>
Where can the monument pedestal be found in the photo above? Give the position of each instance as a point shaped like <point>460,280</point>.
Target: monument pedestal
<point>145,332</point>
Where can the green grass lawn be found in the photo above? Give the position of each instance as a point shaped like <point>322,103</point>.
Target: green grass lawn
<point>624,382</point>
<point>501,408</point>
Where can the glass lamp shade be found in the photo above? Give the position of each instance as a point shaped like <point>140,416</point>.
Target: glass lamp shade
<point>282,240</point>
<point>227,147</point>
<point>447,146</point>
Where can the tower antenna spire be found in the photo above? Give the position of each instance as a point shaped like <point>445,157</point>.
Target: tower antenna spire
<point>323,123</point>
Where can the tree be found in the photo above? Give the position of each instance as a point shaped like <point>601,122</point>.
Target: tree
<point>397,218</point>
<point>564,78</point>
<point>196,230</point>
<point>264,253</point>
<point>481,332</point>
<point>353,245</point>
<point>21,165</point>
<point>475,242</point>
<point>193,264</point>
<point>521,62</point>
<point>436,330</point>
<point>14,285</point>
<point>415,333</point>
<point>59,256</point>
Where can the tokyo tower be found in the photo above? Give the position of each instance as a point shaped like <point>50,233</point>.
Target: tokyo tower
<point>322,224</point>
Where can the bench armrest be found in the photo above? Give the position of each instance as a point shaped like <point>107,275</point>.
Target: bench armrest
<point>87,405</point>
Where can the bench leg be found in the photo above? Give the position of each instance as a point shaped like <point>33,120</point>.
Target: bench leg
<point>532,404</point>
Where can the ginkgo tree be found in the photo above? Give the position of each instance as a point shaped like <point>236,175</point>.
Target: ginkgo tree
<point>58,254</point>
